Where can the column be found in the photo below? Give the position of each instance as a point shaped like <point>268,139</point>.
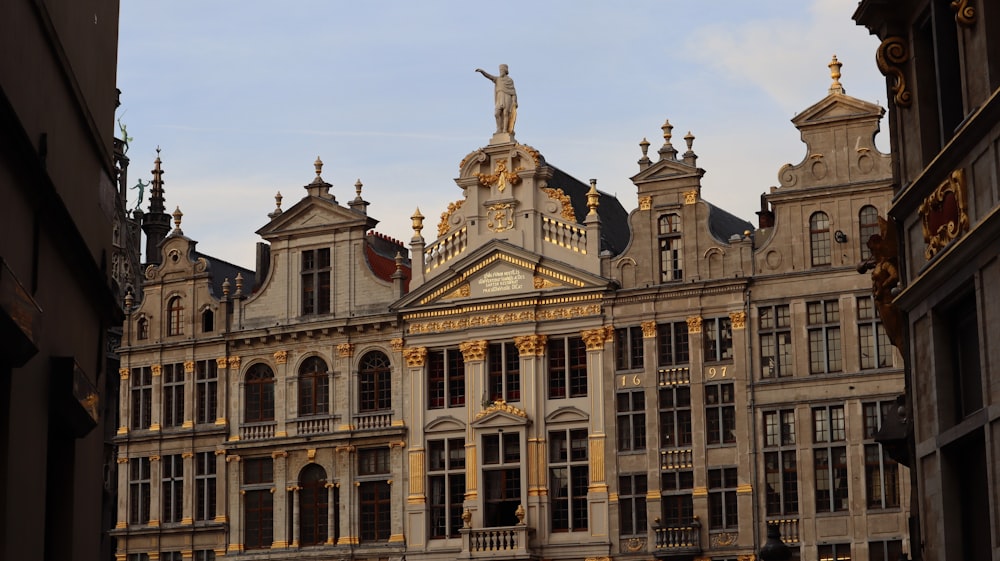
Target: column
<point>154,490</point>
<point>280,394</point>
<point>187,514</point>
<point>331,529</point>
<point>189,389</point>
<point>235,504</point>
<point>280,501</point>
<point>157,397</point>
<point>597,491</point>
<point>344,353</point>
<point>531,350</point>
<point>222,389</point>
<point>233,383</point>
<point>221,486</point>
<point>414,484</point>
<point>124,400</point>
<point>348,499</point>
<point>122,493</point>
<point>296,505</point>
<point>474,353</point>
<point>396,490</point>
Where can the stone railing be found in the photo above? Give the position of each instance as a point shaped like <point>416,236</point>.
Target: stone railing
<point>445,249</point>
<point>674,376</point>
<point>367,421</point>
<point>257,431</point>
<point>508,542</point>
<point>682,539</point>
<point>789,528</point>
<point>676,458</point>
<point>317,425</point>
<point>564,234</point>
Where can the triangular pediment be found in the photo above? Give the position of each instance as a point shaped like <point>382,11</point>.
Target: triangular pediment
<point>666,169</point>
<point>837,107</point>
<point>500,270</point>
<point>314,214</point>
<point>500,414</point>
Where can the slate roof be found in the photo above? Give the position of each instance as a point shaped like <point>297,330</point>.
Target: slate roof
<point>615,232</point>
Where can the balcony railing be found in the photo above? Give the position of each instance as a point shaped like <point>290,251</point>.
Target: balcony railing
<point>564,234</point>
<point>507,541</point>
<point>678,540</point>
<point>318,425</point>
<point>445,249</point>
<point>789,528</point>
<point>676,458</point>
<point>257,431</point>
<point>378,420</point>
<point>674,376</point>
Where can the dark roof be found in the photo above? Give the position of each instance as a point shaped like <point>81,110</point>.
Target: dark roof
<point>723,225</point>
<point>614,219</point>
<point>221,270</point>
<point>380,252</point>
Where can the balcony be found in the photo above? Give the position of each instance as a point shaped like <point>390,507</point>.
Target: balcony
<point>369,421</point>
<point>257,431</point>
<point>673,376</point>
<point>789,528</point>
<point>313,425</point>
<point>676,458</point>
<point>509,542</point>
<point>678,540</point>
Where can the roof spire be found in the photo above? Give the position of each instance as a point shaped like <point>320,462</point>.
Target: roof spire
<point>156,191</point>
<point>834,66</point>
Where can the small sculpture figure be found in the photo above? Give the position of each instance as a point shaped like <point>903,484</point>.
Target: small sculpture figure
<point>125,137</point>
<point>505,99</point>
<point>142,190</point>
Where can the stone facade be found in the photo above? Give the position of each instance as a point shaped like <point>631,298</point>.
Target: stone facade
<point>551,377</point>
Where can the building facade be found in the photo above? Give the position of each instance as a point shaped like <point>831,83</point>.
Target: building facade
<point>551,377</point>
<point>942,68</point>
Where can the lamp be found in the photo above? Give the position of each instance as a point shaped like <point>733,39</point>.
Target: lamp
<point>840,236</point>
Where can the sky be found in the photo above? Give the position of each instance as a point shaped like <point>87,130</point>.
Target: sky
<point>242,96</point>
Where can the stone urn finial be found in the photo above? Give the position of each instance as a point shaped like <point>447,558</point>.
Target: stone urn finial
<point>519,513</point>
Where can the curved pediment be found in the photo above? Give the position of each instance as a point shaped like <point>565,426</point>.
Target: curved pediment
<point>444,424</point>
<point>501,414</point>
<point>567,415</point>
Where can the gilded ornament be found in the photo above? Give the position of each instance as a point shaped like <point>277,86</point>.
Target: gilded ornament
<point>891,54</point>
<point>415,356</point>
<point>965,15</point>
<point>594,339</point>
<point>123,373</point>
<point>500,178</point>
<point>645,203</point>
<point>564,200</point>
<point>221,362</point>
<point>444,226</point>
<point>531,345</point>
<point>473,350</point>
<point>189,366</point>
<point>396,344</point>
<point>345,350</point>
<point>648,329</point>
<point>884,265</point>
<point>535,156</point>
<point>944,214</point>
<point>500,217</point>
<point>738,319</point>
<point>724,539</point>
<point>694,324</point>
<point>281,357</point>
<point>633,545</point>
<point>234,362</point>
<point>501,405</point>
<point>156,369</point>
<point>691,197</point>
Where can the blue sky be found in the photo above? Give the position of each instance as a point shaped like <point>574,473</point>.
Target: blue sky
<point>243,95</point>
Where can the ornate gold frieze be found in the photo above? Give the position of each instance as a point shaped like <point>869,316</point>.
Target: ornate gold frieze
<point>531,345</point>
<point>691,197</point>
<point>542,282</point>
<point>694,324</point>
<point>188,366</point>
<point>500,217</point>
<point>156,369</point>
<point>415,356</point>
<point>499,178</point>
<point>501,405</point>
<point>724,539</point>
<point>563,199</point>
<point>280,357</point>
<point>396,344</point>
<point>738,319</point>
<point>345,350</point>
<point>889,58</point>
<point>234,362</point>
<point>944,213</point>
<point>473,350</point>
<point>444,226</point>
<point>965,15</point>
<point>645,203</point>
<point>648,329</point>
<point>594,338</point>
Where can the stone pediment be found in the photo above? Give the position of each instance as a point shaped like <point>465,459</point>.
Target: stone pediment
<point>667,169</point>
<point>837,107</point>
<point>313,214</point>
<point>500,414</point>
<point>178,257</point>
<point>444,424</point>
<point>567,415</point>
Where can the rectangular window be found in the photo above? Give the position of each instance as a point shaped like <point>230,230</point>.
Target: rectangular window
<point>675,417</point>
<point>138,491</point>
<point>258,506</point>
<point>504,372</point>
<point>206,391</point>
<point>567,366</point>
<point>672,343</point>
<point>775,341</point>
<point>445,379</point>
<point>881,471</point>
<point>872,339</point>
<point>138,557</point>
<point>889,550</point>
<point>171,556</point>
<point>316,281</point>
<point>375,510</point>
<point>204,484</point>
<point>173,395</point>
<point>502,478</point>
<point>632,504</point>
<point>720,413</point>
<point>718,336</point>
<point>141,404</point>
<point>834,552</point>
<point>780,463</point>
<point>671,248</point>
<point>172,489</point>
<point>678,509</point>
<point>446,485</point>
<point>722,512</point>
<point>830,461</point>
<point>824,336</point>
<point>568,479</point>
<point>628,348</point>
<point>631,409</point>
<point>373,461</point>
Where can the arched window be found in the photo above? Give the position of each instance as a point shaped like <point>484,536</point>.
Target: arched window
<point>819,238</point>
<point>207,321</point>
<point>313,505</point>
<point>175,313</point>
<point>142,329</point>
<point>259,394</point>
<point>375,382</point>
<point>671,256</point>
<point>314,387</point>
<point>867,227</point>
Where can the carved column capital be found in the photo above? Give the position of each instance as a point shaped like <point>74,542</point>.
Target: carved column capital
<point>345,350</point>
<point>531,345</point>
<point>415,356</point>
<point>694,324</point>
<point>473,350</point>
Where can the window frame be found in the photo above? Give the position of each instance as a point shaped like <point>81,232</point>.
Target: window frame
<point>670,242</point>
<point>175,316</point>
<point>820,242</point>
<point>632,513</point>
<point>257,490</point>
<point>206,374</point>
<point>141,398</point>
<point>867,227</point>
<point>720,415</point>
<point>313,387</point>
<point>723,506</point>
<point>569,500</point>
<point>673,346</point>
<point>566,366</point>
<point>446,473</point>
<point>503,372</point>
<point>630,417</point>
<point>139,487</point>
<point>171,488</point>
<point>173,376</point>
<point>775,336</point>
<point>780,456</point>
<point>315,288</point>
<point>374,494</point>
<point>205,486</point>
<point>259,390</point>
<point>830,463</point>
<point>881,471</point>
<point>717,339</point>
<point>872,337</point>
<point>501,473</point>
<point>825,337</point>
<point>445,378</point>
<point>314,505</point>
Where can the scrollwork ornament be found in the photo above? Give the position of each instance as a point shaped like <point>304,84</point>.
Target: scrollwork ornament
<point>942,223</point>
<point>965,15</point>
<point>889,56</point>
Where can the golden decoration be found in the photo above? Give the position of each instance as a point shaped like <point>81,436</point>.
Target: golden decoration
<point>747,557</point>
<point>500,217</point>
<point>724,539</point>
<point>744,489</point>
<point>884,265</point>
<point>396,344</point>
<point>123,373</point>
<point>189,366</point>
<point>278,454</point>
<point>397,538</point>
<point>345,350</point>
<point>444,226</point>
<point>473,350</point>
<point>594,339</point>
<point>694,324</point>
<point>541,282</point>
<point>519,513</point>
<point>234,362</point>
<point>156,369</point>
<point>699,492</point>
<point>889,56</point>
<point>596,463</point>
<point>501,405</point>
<point>531,345</point>
<point>645,203</point>
<point>954,226</point>
<point>535,156</point>
<point>221,362</point>
<point>691,197</point>
<point>648,329</point>
<point>500,178</point>
<point>965,15</point>
<point>348,448</point>
<point>633,545</point>
<point>281,357</point>
<point>415,356</point>
<point>567,203</point>
<point>311,454</point>
<point>738,319</point>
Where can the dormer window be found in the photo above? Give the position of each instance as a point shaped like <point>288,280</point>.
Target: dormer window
<point>142,329</point>
<point>671,257</point>
<point>175,316</point>
<point>207,321</point>
<point>316,281</point>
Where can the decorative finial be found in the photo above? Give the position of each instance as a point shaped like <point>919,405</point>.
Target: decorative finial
<point>667,151</point>
<point>177,222</point>
<point>399,261</point>
<point>277,206</point>
<point>129,300</point>
<point>239,284</point>
<point>644,146</point>
<point>689,140</point>
<point>689,157</point>
<point>418,222</point>
<point>834,66</point>
<point>357,188</point>
<point>593,197</point>
<point>225,287</point>
<point>319,166</point>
